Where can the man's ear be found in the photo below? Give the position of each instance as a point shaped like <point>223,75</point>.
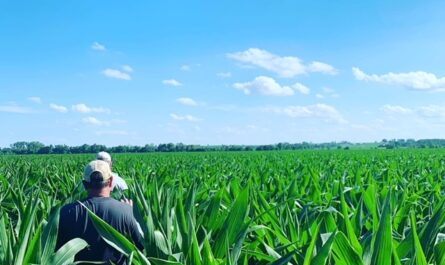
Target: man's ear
<point>110,182</point>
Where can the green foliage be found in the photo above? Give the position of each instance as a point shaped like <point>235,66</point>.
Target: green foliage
<point>301,207</point>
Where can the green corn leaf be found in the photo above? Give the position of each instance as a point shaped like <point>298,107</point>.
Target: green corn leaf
<point>323,255</point>
<point>343,252</point>
<point>114,238</point>
<point>65,255</point>
<point>310,250</point>
<point>49,236</point>
<point>231,227</point>
<point>439,253</point>
<point>418,251</point>
<point>382,248</point>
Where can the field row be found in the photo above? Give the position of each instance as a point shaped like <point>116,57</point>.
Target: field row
<point>304,207</point>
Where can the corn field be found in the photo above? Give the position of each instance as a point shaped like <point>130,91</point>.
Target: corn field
<point>342,207</point>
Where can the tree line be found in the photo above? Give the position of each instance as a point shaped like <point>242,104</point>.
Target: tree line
<point>35,147</point>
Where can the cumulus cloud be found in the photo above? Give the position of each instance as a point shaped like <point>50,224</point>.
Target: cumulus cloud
<point>322,68</point>
<point>224,74</point>
<point>395,109</point>
<point>82,108</point>
<point>184,117</point>
<point>94,121</point>
<point>35,100</point>
<point>322,111</point>
<point>58,108</point>
<point>187,101</point>
<point>114,73</point>
<point>171,82</point>
<point>98,47</point>
<point>14,109</point>
<point>268,86</point>
<point>127,68</point>
<point>284,66</point>
<point>418,80</point>
<point>301,88</point>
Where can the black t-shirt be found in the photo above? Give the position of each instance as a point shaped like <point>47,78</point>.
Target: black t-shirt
<point>74,222</point>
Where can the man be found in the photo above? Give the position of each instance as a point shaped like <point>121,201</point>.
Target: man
<point>119,182</point>
<point>74,221</point>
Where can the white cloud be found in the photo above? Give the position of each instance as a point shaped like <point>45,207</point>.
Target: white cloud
<point>328,92</point>
<point>301,88</point>
<point>114,73</point>
<point>35,100</point>
<point>14,109</point>
<point>432,111</point>
<point>82,108</point>
<point>171,82</point>
<point>284,66</point>
<point>98,47</point>
<point>93,121</point>
<point>428,111</point>
<point>58,108</point>
<point>184,117</point>
<point>187,101</point>
<point>322,68</point>
<point>268,86</point>
<point>418,80</point>
<point>224,74</point>
<point>322,111</point>
<point>127,68</point>
<point>186,67</point>
<point>391,109</point>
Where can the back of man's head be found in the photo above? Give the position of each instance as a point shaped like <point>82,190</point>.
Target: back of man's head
<point>97,175</point>
<point>104,156</point>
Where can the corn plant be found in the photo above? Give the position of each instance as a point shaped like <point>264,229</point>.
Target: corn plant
<point>302,207</point>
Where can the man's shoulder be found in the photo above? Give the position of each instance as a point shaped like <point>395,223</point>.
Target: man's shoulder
<point>110,205</point>
<point>119,181</point>
<point>116,207</point>
<point>71,209</point>
<point>70,206</point>
<point>114,202</point>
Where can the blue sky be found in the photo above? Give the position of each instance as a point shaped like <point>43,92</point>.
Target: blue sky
<point>226,72</point>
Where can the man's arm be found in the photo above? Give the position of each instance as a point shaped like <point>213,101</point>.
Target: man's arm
<point>137,234</point>
<point>133,229</point>
<point>61,231</point>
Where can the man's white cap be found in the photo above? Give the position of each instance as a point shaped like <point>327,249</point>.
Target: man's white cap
<point>104,156</point>
<point>97,166</point>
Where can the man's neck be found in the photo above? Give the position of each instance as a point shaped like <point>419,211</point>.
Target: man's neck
<point>102,193</point>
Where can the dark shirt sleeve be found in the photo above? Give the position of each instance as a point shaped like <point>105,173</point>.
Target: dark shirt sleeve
<point>61,231</point>
<point>136,235</point>
<point>60,239</point>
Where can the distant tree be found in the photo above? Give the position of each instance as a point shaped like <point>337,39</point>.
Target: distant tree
<point>61,149</point>
<point>46,150</point>
<point>34,147</point>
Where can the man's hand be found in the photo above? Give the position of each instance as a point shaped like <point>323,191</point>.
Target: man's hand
<point>127,201</point>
